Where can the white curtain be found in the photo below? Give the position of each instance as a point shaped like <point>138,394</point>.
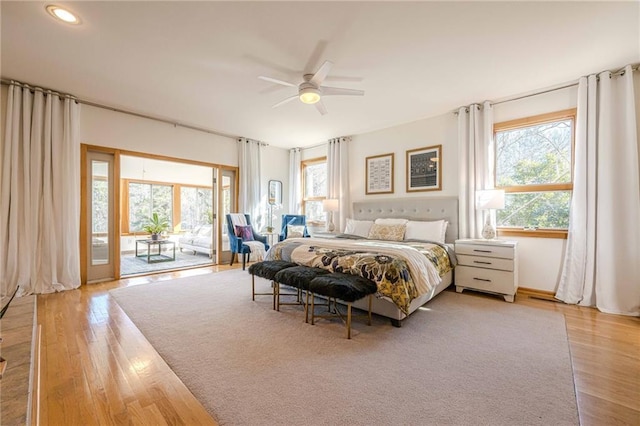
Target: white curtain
<point>40,193</point>
<point>602,258</point>
<point>250,182</point>
<point>338,179</point>
<point>475,164</point>
<point>295,193</point>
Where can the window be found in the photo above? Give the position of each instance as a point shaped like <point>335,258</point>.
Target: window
<point>196,208</point>
<point>314,188</point>
<point>185,207</point>
<point>534,163</point>
<point>146,199</point>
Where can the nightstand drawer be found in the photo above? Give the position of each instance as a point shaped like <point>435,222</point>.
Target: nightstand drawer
<point>485,279</point>
<point>485,262</point>
<point>485,250</point>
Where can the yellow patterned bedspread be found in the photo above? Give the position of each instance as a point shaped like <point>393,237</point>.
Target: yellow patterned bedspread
<point>395,272</point>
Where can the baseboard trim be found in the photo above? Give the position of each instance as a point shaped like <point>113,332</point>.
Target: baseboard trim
<point>537,294</point>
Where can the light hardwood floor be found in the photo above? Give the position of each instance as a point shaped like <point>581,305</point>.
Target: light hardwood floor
<point>97,368</point>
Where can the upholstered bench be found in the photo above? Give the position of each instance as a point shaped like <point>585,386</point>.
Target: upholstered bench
<point>268,270</point>
<point>345,287</point>
<point>299,277</point>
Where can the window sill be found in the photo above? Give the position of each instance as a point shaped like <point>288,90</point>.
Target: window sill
<point>537,233</point>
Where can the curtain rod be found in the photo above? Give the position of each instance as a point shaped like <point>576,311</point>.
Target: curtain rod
<point>621,71</point>
<point>9,82</point>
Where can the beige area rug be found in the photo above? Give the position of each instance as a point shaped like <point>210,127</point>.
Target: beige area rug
<point>460,360</point>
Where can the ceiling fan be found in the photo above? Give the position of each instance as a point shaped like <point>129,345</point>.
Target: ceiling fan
<point>311,91</point>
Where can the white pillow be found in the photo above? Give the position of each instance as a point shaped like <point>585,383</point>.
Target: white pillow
<point>358,227</point>
<point>295,231</point>
<point>423,230</point>
<point>391,221</point>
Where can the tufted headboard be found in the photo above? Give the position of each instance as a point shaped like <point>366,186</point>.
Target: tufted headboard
<point>418,208</point>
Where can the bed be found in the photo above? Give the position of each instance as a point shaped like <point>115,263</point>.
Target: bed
<point>417,270</point>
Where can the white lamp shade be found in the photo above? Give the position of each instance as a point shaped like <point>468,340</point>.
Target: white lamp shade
<point>490,199</point>
<point>330,205</point>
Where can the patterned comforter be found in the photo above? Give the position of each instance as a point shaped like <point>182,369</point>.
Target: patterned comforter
<point>402,270</point>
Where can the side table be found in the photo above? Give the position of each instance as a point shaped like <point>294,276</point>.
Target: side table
<point>487,265</point>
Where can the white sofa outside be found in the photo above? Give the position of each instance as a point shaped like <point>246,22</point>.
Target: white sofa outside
<point>199,241</point>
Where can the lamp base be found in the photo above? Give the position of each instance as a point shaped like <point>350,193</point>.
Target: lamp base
<point>488,232</point>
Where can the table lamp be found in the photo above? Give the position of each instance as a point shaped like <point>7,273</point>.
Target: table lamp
<point>330,205</point>
<point>489,199</point>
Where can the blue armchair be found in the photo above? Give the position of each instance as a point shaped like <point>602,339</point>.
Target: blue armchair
<point>237,246</point>
<point>293,219</point>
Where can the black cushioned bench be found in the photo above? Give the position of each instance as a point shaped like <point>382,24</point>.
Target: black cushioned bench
<point>314,281</point>
<point>299,277</point>
<point>268,270</point>
<point>345,287</point>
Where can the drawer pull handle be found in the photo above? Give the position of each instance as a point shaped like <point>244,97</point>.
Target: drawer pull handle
<point>482,263</point>
<point>482,279</point>
<point>483,251</point>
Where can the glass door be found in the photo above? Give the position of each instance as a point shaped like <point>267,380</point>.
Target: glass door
<point>229,203</point>
<point>100,217</point>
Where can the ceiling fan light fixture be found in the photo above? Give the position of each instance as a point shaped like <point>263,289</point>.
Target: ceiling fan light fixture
<point>62,14</point>
<point>309,95</point>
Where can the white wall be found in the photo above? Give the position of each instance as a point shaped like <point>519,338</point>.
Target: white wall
<point>440,130</point>
<point>117,130</point>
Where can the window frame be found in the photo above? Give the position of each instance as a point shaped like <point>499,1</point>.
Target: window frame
<point>176,209</point>
<point>303,165</point>
<point>530,121</point>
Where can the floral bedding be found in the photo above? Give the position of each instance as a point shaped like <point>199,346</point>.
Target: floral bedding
<point>402,270</point>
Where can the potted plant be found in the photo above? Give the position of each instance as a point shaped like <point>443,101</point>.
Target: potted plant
<point>155,226</point>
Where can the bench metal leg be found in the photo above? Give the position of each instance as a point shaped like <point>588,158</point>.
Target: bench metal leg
<point>348,320</point>
<point>253,287</point>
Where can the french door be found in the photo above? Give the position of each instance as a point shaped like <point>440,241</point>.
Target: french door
<point>101,246</point>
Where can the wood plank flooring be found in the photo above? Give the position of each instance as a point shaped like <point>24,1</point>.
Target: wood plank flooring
<point>97,368</point>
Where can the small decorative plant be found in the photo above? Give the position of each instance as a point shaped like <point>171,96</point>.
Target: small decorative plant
<point>155,226</point>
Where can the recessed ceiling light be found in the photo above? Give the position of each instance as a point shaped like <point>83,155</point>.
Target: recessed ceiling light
<point>63,14</point>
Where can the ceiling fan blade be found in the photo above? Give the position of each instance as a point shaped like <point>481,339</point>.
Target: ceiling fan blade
<point>276,81</point>
<point>320,107</point>
<point>315,56</point>
<point>282,102</point>
<point>329,91</point>
<point>322,72</point>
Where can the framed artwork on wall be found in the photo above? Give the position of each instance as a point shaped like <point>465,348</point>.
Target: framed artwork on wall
<point>424,169</point>
<point>379,174</point>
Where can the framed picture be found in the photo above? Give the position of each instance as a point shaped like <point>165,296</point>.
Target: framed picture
<point>379,169</point>
<point>424,170</point>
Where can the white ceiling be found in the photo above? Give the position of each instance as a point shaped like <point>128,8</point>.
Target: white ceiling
<point>198,62</point>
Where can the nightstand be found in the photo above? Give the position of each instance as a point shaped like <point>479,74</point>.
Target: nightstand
<point>487,265</point>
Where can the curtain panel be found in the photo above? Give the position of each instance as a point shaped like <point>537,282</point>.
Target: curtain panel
<point>295,192</point>
<point>601,265</point>
<point>249,152</point>
<point>475,164</point>
<point>40,193</point>
<point>338,179</point>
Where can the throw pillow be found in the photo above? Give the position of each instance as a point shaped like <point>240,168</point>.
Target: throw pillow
<point>245,232</point>
<point>295,231</point>
<point>387,232</point>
